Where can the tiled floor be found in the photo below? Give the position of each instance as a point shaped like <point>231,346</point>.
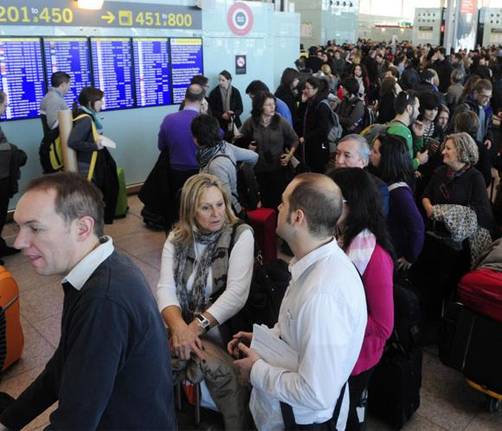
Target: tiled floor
<point>447,403</point>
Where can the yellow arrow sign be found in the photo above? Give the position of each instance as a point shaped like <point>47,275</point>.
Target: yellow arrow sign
<point>109,17</point>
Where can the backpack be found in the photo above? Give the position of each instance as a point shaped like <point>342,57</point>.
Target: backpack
<point>267,289</point>
<point>50,151</point>
<point>369,118</point>
<point>336,129</point>
<point>247,186</point>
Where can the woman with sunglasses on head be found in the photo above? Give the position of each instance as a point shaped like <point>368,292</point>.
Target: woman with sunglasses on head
<point>458,181</point>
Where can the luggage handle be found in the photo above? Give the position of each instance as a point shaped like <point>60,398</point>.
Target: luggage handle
<point>8,305</point>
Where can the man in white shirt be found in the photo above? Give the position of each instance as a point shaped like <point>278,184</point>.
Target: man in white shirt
<point>322,317</point>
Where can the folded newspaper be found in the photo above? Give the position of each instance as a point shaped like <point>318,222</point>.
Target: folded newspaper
<point>272,349</point>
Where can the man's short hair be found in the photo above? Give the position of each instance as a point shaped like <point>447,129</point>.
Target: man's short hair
<point>75,197</point>
<point>457,76</point>
<point>483,85</point>
<point>403,100</point>
<point>199,79</point>
<point>194,93</point>
<point>256,86</point>
<point>362,145</point>
<point>206,129</point>
<point>322,207</point>
<point>58,78</point>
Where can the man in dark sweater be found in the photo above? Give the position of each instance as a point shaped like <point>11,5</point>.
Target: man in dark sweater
<point>111,369</point>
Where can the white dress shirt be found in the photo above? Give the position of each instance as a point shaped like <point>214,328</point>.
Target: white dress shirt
<point>240,272</point>
<point>323,318</point>
<point>81,272</point>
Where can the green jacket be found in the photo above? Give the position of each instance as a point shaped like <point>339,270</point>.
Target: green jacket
<point>415,144</point>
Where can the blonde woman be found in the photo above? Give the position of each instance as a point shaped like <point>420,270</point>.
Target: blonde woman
<point>206,270</point>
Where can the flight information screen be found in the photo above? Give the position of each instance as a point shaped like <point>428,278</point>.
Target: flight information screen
<point>112,70</point>
<point>21,76</point>
<point>70,55</point>
<point>152,71</point>
<point>186,61</point>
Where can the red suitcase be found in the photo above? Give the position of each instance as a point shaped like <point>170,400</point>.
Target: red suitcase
<point>481,291</point>
<point>264,221</point>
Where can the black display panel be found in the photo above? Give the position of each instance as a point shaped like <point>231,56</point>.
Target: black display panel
<point>152,71</point>
<point>70,55</point>
<point>21,76</point>
<point>112,69</point>
<point>186,61</point>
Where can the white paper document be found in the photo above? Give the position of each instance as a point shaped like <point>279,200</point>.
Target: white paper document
<point>107,142</point>
<point>272,349</point>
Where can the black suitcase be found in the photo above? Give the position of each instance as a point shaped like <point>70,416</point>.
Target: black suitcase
<point>394,389</point>
<point>472,343</point>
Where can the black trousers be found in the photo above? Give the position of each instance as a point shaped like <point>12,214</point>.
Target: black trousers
<point>272,185</point>
<point>358,389</point>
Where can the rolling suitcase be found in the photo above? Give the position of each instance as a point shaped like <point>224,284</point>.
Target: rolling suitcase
<point>122,207</point>
<point>11,332</point>
<point>481,291</point>
<point>472,343</point>
<point>394,388</point>
<point>264,221</point>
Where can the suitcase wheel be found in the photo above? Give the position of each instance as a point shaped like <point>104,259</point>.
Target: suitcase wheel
<point>494,405</point>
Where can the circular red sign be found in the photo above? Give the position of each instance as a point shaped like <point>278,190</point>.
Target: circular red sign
<point>240,19</point>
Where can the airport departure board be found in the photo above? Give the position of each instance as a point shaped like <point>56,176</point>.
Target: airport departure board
<point>70,55</point>
<point>152,71</point>
<point>21,76</point>
<point>186,61</point>
<point>113,71</point>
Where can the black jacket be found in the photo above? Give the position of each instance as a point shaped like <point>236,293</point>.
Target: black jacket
<point>216,105</point>
<point>11,160</point>
<point>444,69</point>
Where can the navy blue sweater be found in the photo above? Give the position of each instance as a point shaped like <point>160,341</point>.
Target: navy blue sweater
<point>111,369</point>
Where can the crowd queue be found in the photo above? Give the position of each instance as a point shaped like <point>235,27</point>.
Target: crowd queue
<point>366,152</point>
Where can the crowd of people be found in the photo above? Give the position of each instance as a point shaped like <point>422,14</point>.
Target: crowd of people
<point>377,159</point>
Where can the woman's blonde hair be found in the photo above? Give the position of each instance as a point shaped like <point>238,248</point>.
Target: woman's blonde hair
<point>191,196</point>
<point>467,150</point>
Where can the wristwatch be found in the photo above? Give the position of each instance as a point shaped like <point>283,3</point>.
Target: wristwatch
<point>203,322</point>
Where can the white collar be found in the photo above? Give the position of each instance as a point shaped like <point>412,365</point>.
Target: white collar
<point>298,267</point>
<point>79,275</point>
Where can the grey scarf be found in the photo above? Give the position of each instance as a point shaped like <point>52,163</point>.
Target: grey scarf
<point>226,95</point>
<point>215,256</point>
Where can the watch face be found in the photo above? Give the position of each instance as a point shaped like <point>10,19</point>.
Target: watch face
<point>203,321</point>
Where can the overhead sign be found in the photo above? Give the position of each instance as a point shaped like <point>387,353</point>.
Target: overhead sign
<point>113,14</point>
<point>240,19</point>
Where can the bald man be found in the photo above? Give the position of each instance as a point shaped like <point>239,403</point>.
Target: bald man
<point>322,318</point>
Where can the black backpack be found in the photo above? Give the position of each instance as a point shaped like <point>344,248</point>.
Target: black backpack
<point>268,286</point>
<point>247,186</point>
